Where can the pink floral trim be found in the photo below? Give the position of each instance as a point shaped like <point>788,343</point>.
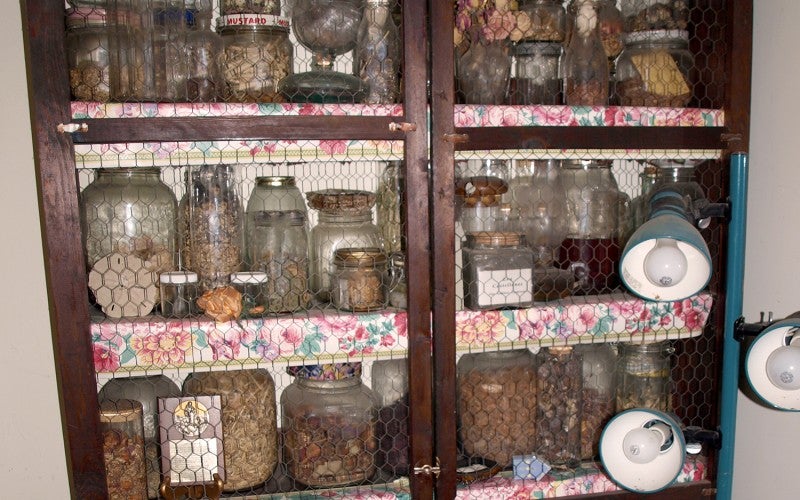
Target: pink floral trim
<point>170,110</point>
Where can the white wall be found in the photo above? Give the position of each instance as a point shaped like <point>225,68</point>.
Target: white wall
<point>768,441</point>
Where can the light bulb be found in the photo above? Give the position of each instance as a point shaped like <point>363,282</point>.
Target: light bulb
<point>665,265</point>
<point>642,446</point>
<point>783,368</point>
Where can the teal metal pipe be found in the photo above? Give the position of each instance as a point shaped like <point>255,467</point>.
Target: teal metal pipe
<point>734,285</point>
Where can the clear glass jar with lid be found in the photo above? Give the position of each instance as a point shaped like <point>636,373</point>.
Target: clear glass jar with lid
<point>257,56</point>
<point>644,15</point>
<point>547,19</point>
<point>253,287</point>
<point>498,271</point>
<point>538,77</point>
<point>88,54</point>
<point>328,418</point>
<point>643,376</point>
<point>655,69</point>
<point>345,220</point>
<point>178,293</point>
<point>359,279</point>
<point>599,394</point>
<point>480,185</point>
<point>123,448</point>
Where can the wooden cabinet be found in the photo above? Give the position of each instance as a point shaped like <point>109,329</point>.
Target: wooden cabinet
<point>429,131</point>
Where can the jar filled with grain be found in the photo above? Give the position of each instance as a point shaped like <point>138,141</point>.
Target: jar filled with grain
<point>257,56</point>
<point>359,279</point>
<point>123,449</point>
<point>643,376</point>
<point>599,394</point>
<point>249,422</point>
<point>328,420</point>
<point>88,54</point>
<point>559,392</point>
<point>497,404</point>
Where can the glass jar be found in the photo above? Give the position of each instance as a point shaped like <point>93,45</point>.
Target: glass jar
<point>328,419</point>
<point>378,53</point>
<point>640,205</point>
<point>215,225</point>
<point>123,448</point>
<point>359,279</point>
<point>591,249</point>
<point>228,7</point>
<point>249,422</point>
<point>129,211</point>
<point>559,393</point>
<point>390,385</point>
<point>390,197</point>
<point>253,287</point>
<point>547,18</point>
<point>498,271</point>
<point>178,294</point>
<point>480,185</point>
<point>398,284</point>
<point>257,56</point>
<point>497,404</point>
<point>644,15</point>
<point>345,220</point>
<point>654,69</point>
<point>609,20</point>
<point>146,390</point>
<point>87,52</point>
<point>538,78</point>
<point>643,376</point>
<point>585,66</point>
<point>204,79</point>
<point>599,394</point>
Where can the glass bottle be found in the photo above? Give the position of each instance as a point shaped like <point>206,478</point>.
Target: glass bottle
<point>378,53</point>
<point>88,54</point>
<point>156,61</point>
<point>328,417</point>
<point>497,404</point>
<point>585,65</point>
<point>498,271</point>
<point>538,77</point>
<point>131,212</point>
<point>359,279</point>
<point>203,48</point>
<point>123,448</point>
<point>249,422</point>
<point>146,390</point>
<point>609,20</point>
<point>345,220</point>
<point>215,225</point>
<point>643,375</point>
<point>643,15</point>
<point>654,69</point>
<point>599,394</point>
<point>390,197</point>
<point>547,19</point>
<point>591,249</point>
<point>390,384</point>
<point>559,394</point>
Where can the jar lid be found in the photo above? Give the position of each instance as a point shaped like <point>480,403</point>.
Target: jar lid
<point>178,277</point>
<point>85,17</point>
<point>275,180</point>
<point>341,200</point>
<point>656,36</point>
<point>248,277</point>
<point>534,48</point>
<point>331,371</point>
<point>120,411</point>
<point>359,257</point>
<point>235,22</point>
<point>584,164</point>
<point>275,217</point>
<point>560,350</point>
<point>496,238</point>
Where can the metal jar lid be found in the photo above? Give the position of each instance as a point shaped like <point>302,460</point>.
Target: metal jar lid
<point>495,239</point>
<point>120,411</point>
<point>248,277</point>
<point>359,257</point>
<point>178,277</point>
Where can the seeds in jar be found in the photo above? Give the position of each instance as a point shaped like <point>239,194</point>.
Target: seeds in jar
<point>89,82</point>
<point>558,418</point>
<point>125,465</point>
<point>253,72</point>
<point>214,243</point>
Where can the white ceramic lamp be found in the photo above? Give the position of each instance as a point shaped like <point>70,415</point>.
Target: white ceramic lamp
<point>772,364</point>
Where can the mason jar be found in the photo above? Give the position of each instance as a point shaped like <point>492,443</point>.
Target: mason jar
<point>498,271</point>
<point>178,291</point>
<point>253,287</point>
<point>88,54</point>
<point>328,420</point>
<point>643,375</point>
<point>123,448</point>
<point>359,279</point>
<point>655,69</point>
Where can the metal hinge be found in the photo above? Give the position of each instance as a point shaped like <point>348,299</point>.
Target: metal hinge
<point>429,469</point>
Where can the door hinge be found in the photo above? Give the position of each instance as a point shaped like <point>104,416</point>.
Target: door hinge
<point>429,469</point>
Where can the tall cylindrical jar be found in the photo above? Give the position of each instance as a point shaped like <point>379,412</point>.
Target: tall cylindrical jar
<point>328,421</point>
<point>390,384</point>
<point>599,394</point>
<point>538,77</point>
<point>88,54</point>
<point>345,221</point>
<point>249,422</point>
<point>643,375</point>
<point>123,449</point>
<point>215,225</point>
<point>585,64</point>
<point>559,393</point>
<point>131,212</point>
<point>378,52</point>
<point>497,404</point>
<point>204,81</point>
<point>390,198</point>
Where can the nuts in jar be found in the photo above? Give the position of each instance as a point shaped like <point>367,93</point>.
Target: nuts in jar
<point>359,279</point>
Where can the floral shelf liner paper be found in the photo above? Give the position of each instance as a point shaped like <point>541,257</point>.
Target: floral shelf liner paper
<point>322,336</point>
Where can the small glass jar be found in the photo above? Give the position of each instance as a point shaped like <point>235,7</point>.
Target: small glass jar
<point>599,394</point>
<point>559,393</point>
<point>480,185</point>
<point>538,79</point>
<point>257,56</point>
<point>643,375</point>
<point>390,384</point>
<point>398,284</point>
<point>178,294</point>
<point>253,287</point>
<point>359,279</point>
<point>644,15</point>
<point>547,19</point>
<point>228,7</point>
<point>249,422</point>
<point>654,69</point>
<point>328,420</point>
<point>498,271</point>
<point>123,448</point>
<point>497,404</point>
<point>87,52</point>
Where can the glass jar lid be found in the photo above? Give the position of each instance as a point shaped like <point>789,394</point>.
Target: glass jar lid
<point>120,411</point>
<point>496,239</point>
<point>248,277</point>
<point>178,277</point>
<point>342,201</point>
<point>330,371</point>
<point>276,180</point>
<point>359,257</point>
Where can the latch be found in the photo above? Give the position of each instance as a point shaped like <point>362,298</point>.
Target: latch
<point>429,469</point>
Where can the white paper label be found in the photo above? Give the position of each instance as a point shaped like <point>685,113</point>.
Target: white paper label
<point>508,286</point>
<point>193,460</point>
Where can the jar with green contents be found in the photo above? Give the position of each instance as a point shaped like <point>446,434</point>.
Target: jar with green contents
<point>643,375</point>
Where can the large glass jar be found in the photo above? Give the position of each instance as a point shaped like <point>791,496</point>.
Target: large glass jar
<point>214,225</point>
<point>328,420</point>
<point>345,220</point>
<point>643,15</point>
<point>547,20</point>
<point>129,211</point>
<point>643,376</point>
<point>654,69</point>
<point>390,384</point>
<point>249,422</point>
<point>497,404</point>
<point>599,394</point>
<point>498,271</point>
<point>378,53</point>
<point>257,56</point>
<point>87,52</point>
<point>146,390</point>
<point>538,78</point>
<point>559,395</point>
<point>123,449</point>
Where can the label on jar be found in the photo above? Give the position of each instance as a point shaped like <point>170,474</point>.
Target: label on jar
<point>252,20</point>
<point>507,286</point>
